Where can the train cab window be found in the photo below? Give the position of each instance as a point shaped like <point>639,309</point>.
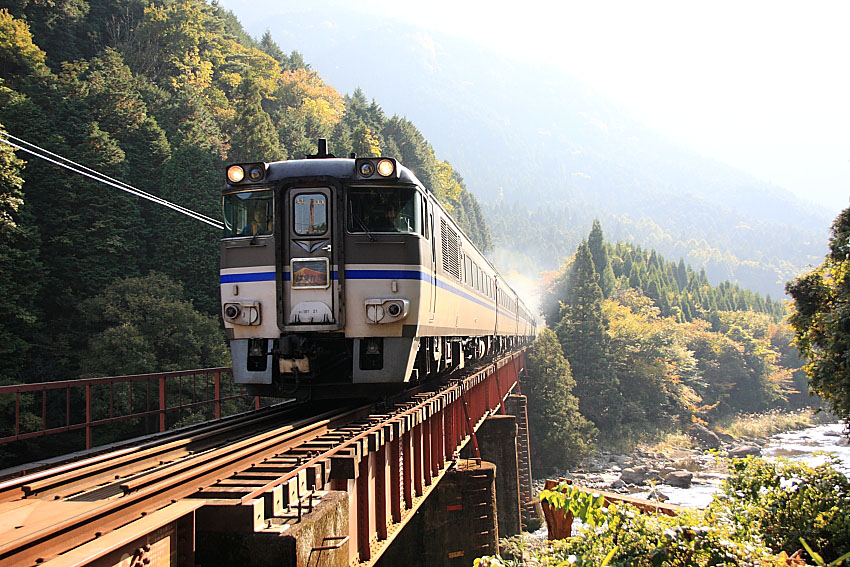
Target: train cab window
<point>311,214</point>
<point>380,209</point>
<point>248,213</point>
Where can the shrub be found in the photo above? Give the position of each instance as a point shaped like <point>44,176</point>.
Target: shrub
<point>781,502</point>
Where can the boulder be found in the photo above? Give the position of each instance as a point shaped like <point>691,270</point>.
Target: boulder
<point>704,436</point>
<point>634,475</point>
<point>742,451</point>
<point>679,479</point>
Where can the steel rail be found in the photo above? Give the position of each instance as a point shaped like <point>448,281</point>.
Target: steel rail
<point>428,423</point>
<point>131,459</point>
<point>91,521</point>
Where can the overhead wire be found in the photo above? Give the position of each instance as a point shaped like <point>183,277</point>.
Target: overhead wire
<point>61,161</point>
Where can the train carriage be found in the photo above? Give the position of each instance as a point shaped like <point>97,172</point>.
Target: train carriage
<point>347,278</point>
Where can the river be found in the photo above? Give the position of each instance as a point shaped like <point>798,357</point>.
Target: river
<point>809,445</point>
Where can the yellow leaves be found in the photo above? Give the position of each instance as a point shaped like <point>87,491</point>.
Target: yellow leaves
<point>242,62</point>
<point>326,115</point>
<point>230,80</point>
<point>317,105</point>
<point>450,190</point>
<point>16,46</point>
<point>302,84</point>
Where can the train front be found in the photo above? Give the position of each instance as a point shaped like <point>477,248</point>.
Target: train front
<point>321,274</point>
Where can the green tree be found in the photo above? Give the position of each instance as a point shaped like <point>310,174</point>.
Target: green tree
<point>821,320</point>
<point>596,243</point>
<point>560,435</point>
<point>255,138</point>
<point>585,343</point>
<point>18,263</point>
<point>18,53</point>
<point>146,325</point>
<point>181,247</point>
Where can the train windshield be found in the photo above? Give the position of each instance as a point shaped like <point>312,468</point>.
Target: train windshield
<point>249,213</point>
<point>384,209</point>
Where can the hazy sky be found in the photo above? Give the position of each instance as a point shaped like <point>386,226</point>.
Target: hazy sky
<point>763,86</point>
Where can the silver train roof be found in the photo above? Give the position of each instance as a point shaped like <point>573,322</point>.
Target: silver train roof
<point>342,168</point>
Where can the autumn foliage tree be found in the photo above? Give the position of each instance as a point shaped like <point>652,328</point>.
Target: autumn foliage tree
<point>821,320</point>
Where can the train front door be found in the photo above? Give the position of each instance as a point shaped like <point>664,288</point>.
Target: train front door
<point>311,298</point>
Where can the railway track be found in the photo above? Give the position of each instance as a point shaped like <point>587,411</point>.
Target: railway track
<point>50,512</point>
<point>255,470</point>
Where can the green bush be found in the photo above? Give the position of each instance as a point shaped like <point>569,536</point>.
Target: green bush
<point>632,539</point>
<point>782,502</point>
<point>765,512</point>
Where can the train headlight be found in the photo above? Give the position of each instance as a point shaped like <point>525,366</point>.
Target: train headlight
<point>386,310</point>
<point>366,168</point>
<point>386,168</point>
<point>243,312</point>
<point>256,173</point>
<point>235,173</point>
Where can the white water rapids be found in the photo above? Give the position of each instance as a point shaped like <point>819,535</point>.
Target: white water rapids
<point>810,445</point>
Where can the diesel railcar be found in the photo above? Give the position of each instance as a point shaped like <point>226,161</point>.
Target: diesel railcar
<point>347,278</point>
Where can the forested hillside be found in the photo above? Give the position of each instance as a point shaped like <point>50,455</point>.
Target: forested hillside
<point>160,95</point>
<point>546,155</point>
<point>646,345</point>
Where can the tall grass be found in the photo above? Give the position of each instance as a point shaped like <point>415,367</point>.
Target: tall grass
<point>762,425</point>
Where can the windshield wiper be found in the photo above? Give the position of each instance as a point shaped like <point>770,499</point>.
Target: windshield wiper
<point>361,223</point>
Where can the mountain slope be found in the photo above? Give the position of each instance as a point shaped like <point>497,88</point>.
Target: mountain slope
<point>529,137</point>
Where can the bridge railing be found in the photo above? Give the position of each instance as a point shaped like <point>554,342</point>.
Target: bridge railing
<point>156,400</point>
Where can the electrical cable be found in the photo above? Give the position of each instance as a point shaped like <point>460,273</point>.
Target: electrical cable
<point>101,178</point>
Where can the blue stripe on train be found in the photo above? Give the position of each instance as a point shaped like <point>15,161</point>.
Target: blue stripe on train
<point>242,278</point>
<point>365,275</point>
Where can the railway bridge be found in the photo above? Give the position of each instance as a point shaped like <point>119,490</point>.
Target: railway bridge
<point>432,477</point>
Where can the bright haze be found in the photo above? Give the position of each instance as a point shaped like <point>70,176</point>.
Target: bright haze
<point>761,86</point>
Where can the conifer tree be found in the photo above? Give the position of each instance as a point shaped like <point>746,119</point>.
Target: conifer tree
<point>582,336</point>
<point>595,242</point>
<point>560,435</point>
<point>181,247</point>
<point>18,263</point>
<point>254,137</point>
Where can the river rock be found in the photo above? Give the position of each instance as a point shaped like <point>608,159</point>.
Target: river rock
<point>656,494</point>
<point>618,484</point>
<point>704,436</point>
<point>725,437</point>
<point>680,479</point>
<point>742,451</point>
<point>634,475</point>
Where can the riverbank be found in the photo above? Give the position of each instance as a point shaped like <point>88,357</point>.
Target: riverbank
<point>687,468</point>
